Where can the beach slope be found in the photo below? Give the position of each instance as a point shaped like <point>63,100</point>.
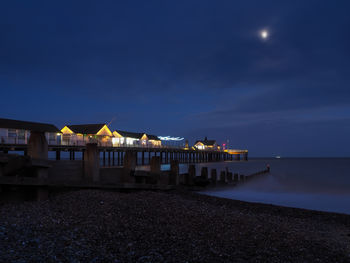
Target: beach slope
<point>102,226</point>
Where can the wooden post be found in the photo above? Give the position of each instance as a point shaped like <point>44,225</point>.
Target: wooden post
<point>204,173</point>
<point>238,157</point>
<point>241,178</point>
<point>92,163</point>
<point>129,166</point>
<point>42,173</point>
<point>213,176</point>
<point>191,174</point>
<point>235,177</point>
<point>223,177</point>
<point>155,165</point>
<point>229,177</point>
<point>174,173</point>
<point>58,155</point>
<point>155,171</point>
<point>37,145</point>
<point>113,158</point>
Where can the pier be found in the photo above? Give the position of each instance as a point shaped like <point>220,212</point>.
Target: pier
<point>114,156</point>
<point>100,159</point>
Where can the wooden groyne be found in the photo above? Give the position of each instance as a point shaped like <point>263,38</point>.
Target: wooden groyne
<point>221,178</point>
<point>35,171</point>
<point>22,172</point>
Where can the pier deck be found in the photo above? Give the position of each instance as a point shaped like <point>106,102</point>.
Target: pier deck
<point>113,156</point>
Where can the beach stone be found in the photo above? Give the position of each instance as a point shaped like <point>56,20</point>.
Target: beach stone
<point>176,226</point>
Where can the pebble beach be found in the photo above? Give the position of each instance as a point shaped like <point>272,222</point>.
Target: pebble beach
<point>175,226</point>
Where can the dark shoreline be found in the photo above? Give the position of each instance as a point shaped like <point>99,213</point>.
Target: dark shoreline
<point>176,226</point>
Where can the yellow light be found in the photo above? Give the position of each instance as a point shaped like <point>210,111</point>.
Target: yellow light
<point>105,131</point>
<point>66,130</point>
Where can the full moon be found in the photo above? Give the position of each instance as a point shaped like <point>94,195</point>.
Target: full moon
<point>264,34</point>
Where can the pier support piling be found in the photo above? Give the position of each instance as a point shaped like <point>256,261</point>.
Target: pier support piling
<point>229,177</point>
<point>191,174</point>
<point>92,163</point>
<point>129,166</point>
<point>204,173</point>
<point>223,177</point>
<point>37,145</point>
<point>174,173</point>
<point>235,177</point>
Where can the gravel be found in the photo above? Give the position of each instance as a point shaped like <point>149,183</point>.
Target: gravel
<point>177,226</point>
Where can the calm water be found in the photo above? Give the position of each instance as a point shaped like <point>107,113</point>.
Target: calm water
<point>312,183</point>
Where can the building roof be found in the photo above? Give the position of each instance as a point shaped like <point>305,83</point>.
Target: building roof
<point>152,137</point>
<point>86,128</point>
<point>29,126</point>
<point>207,142</point>
<point>135,135</point>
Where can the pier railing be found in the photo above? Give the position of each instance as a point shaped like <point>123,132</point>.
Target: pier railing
<point>15,141</point>
<point>22,141</point>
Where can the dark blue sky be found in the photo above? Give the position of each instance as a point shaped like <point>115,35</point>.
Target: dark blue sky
<point>184,68</point>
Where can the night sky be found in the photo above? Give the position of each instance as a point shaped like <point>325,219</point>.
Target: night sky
<point>184,68</point>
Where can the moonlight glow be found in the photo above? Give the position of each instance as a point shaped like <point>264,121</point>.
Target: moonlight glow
<point>264,34</point>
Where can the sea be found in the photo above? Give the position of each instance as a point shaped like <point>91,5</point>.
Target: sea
<point>321,184</point>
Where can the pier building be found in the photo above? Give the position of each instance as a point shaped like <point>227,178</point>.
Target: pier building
<point>18,132</point>
<point>136,139</point>
<point>84,133</point>
<point>23,136</point>
<point>206,144</point>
